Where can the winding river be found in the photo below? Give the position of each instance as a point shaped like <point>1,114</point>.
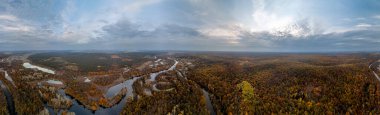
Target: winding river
<point>209,106</point>
<point>80,109</point>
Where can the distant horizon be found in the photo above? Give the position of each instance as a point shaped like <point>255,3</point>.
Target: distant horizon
<point>200,51</point>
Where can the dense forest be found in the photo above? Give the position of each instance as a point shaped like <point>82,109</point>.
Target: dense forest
<point>199,83</point>
<point>297,84</point>
<point>90,62</point>
<point>25,96</point>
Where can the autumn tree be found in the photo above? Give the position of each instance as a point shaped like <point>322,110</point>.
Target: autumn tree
<point>249,100</point>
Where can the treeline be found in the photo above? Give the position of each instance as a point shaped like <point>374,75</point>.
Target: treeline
<point>286,85</point>
<point>90,62</point>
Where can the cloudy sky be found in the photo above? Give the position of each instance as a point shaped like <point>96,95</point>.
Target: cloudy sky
<point>209,25</point>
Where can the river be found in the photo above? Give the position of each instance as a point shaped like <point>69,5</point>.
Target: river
<point>9,78</point>
<point>8,96</point>
<point>209,106</point>
<point>28,65</point>
<point>374,73</point>
<point>79,109</point>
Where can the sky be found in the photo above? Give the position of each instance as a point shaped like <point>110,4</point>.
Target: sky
<point>200,25</point>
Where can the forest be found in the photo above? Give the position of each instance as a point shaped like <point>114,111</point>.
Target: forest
<point>200,83</point>
<point>291,84</point>
<point>91,62</point>
<point>185,98</point>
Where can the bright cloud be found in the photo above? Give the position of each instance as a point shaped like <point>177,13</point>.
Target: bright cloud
<point>8,17</point>
<point>363,25</point>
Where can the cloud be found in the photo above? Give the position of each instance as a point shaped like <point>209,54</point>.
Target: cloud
<point>267,18</point>
<point>8,17</point>
<point>17,27</point>
<point>244,25</point>
<point>363,25</point>
<point>377,16</point>
<point>135,6</point>
<point>235,37</point>
<point>228,32</point>
<point>354,40</point>
<point>125,29</point>
<point>328,42</point>
<point>12,23</point>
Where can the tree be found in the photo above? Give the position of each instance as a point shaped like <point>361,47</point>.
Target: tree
<point>249,100</point>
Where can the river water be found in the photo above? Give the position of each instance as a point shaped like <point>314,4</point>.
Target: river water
<point>8,96</point>
<point>114,90</point>
<point>9,78</point>
<point>28,65</point>
<point>209,106</point>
